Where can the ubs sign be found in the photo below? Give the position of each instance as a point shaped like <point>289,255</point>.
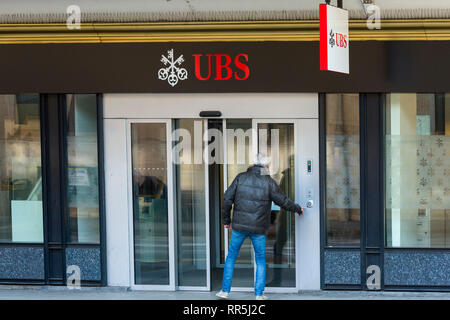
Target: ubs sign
<point>207,67</point>
<point>334,41</point>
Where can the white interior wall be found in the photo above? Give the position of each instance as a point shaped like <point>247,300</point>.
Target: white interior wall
<point>116,200</point>
<point>403,171</point>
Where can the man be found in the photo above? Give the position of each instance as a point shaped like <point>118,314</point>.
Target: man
<point>252,193</point>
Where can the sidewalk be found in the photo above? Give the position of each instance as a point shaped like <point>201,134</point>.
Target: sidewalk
<point>110,293</point>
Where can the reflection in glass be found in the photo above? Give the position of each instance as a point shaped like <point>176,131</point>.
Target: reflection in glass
<point>417,170</point>
<point>216,186</point>
<point>21,217</point>
<point>82,169</point>
<point>190,202</point>
<point>342,170</point>
<point>280,243</point>
<point>151,242</point>
<point>239,157</point>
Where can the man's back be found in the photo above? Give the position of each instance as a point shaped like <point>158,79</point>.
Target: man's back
<point>252,193</point>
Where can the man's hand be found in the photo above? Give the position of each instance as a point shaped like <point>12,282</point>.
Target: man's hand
<point>227,226</point>
<point>300,212</point>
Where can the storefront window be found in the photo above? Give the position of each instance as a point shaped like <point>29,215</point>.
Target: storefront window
<point>342,170</point>
<point>417,170</point>
<point>82,169</point>
<point>20,169</point>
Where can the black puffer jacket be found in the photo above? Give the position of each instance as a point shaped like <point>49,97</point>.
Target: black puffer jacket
<point>252,194</point>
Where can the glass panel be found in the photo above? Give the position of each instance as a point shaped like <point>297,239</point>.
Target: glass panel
<point>216,185</point>
<point>190,202</point>
<point>151,240</point>
<point>20,169</point>
<point>417,174</point>
<point>239,158</point>
<point>342,173</point>
<point>280,243</point>
<point>82,169</point>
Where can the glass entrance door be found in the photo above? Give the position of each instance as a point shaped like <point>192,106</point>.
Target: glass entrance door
<point>152,199</point>
<point>191,204</point>
<point>234,155</point>
<point>180,170</point>
<point>277,139</point>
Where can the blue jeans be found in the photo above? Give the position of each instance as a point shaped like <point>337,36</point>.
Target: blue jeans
<point>259,244</point>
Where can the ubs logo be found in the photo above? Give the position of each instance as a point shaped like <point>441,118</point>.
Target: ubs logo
<point>206,67</point>
<point>338,39</point>
<point>332,42</point>
<point>226,67</point>
<point>172,71</point>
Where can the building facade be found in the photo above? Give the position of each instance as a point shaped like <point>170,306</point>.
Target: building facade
<point>118,140</point>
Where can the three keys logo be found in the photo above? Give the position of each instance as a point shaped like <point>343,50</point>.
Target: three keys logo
<point>172,72</point>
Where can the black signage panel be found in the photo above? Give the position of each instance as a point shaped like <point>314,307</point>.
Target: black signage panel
<point>375,66</point>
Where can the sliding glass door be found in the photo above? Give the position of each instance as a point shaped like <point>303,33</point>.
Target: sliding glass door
<point>179,171</point>
<point>191,204</point>
<point>153,261</point>
<point>276,138</point>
